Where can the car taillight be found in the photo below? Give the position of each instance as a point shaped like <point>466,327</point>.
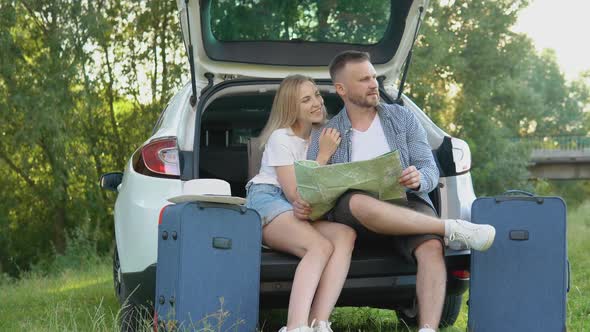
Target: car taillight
<point>461,274</point>
<point>162,214</point>
<point>461,155</point>
<point>161,156</point>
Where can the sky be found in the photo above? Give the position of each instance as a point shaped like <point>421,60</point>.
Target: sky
<point>563,26</point>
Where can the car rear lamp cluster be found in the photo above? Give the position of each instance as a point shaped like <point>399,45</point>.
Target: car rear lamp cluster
<point>161,156</point>
<point>461,155</point>
<point>461,274</point>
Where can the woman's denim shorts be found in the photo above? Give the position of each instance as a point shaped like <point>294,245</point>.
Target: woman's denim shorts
<point>268,200</point>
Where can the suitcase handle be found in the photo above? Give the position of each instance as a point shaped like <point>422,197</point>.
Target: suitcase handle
<point>518,192</point>
<point>517,195</point>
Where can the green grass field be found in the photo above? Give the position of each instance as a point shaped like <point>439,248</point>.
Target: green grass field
<point>83,299</point>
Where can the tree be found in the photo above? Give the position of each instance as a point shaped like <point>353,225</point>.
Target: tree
<point>73,107</point>
<point>490,85</point>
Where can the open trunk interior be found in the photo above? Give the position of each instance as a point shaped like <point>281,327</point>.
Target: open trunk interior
<point>227,125</point>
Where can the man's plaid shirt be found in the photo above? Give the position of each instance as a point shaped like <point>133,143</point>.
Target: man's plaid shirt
<point>403,133</point>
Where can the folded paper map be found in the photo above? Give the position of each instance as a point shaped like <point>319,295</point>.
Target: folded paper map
<point>321,186</point>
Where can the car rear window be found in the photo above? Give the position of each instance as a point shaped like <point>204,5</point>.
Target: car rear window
<point>327,21</point>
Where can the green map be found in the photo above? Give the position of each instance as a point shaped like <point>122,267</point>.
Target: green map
<point>321,186</point>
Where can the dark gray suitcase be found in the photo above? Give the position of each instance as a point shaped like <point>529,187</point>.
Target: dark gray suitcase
<point>521,282</point>
<point>208,271</point>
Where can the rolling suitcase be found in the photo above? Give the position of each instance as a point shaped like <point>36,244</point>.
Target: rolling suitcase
<point>521,282</point>
<point>208,271</point>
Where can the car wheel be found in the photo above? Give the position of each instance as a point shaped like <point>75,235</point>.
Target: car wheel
<point>132,317</point>
<point>451,309</point>
<point>135,318</point>
<point>117,279</point>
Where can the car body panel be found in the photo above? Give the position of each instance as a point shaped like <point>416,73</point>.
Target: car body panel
<point>457,196</point>
<point>141,197</point>
<point>203,63</point>
<point>376,278</point>
<point>137,210</point>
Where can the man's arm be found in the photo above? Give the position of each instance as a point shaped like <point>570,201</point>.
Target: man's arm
<point>421,154</point>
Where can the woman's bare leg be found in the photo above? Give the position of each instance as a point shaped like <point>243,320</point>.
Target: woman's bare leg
<point>342,238</point>
<point>289,234</point>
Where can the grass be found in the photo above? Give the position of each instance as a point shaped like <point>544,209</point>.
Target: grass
<point>82,299</point>
<point>73,300</point>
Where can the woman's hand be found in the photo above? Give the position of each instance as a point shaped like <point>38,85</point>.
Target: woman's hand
<point>329,141</point>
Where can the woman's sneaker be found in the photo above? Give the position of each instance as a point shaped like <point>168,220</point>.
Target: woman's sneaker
<point>322,326</point>
<point>299,329</point>
<point>474,236</point>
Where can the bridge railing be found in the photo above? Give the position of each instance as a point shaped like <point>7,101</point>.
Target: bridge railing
<point>565,142</point>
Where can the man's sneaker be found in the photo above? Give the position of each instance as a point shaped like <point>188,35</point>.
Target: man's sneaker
<point>323,326</point>
<point>455,245</point>
<point>474,236</point>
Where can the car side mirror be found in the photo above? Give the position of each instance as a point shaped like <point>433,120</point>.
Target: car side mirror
<point>110,181</point>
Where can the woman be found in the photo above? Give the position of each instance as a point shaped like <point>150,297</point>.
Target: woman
<point>324,247</point>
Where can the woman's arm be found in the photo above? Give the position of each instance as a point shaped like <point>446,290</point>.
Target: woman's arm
<point>328,143</point>
<point>288,182</point>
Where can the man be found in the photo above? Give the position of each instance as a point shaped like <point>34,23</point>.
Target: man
<point>369,129</point>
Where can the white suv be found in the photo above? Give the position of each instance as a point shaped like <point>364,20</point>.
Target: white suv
<point>205,128</point>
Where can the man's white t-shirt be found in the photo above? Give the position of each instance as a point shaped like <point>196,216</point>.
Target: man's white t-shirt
<point>283,148</point>
<point>369,144</point>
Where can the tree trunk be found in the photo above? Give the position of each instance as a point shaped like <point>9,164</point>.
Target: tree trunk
<point>111,100</point>
<point>60,182</point>
<point>163,41</point>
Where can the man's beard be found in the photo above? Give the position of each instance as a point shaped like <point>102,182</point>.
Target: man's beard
<point>363,101</point>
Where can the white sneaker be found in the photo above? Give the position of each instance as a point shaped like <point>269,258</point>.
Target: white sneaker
<point>323,326</point>
<point>474,236</point>
<point>299,329</point>
<point>455,245</point>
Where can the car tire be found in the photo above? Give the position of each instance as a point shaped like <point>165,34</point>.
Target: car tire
<point>451,309</point>
<point>132,317</point>
<point>117,279</point>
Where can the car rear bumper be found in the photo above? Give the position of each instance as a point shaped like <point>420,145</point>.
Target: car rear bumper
<point>376,281</point>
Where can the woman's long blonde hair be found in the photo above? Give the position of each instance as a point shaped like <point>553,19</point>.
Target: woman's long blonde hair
<point>285,107</point>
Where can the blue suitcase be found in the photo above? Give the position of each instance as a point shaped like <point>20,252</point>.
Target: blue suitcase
<point>521,282</point>
<point>208,271</point>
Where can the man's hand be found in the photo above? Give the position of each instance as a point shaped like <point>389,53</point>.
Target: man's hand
<point>301,209</point>
<point>410,178</point>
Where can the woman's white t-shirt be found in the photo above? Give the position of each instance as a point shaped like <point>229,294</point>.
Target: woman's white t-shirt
<point>283,148</point>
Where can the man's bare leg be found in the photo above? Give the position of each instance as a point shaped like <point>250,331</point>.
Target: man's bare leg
<point>430,282</point>
<point>385,218</point>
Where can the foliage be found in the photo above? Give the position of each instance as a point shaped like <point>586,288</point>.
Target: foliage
<point>489,85</point>
<point>82,83</point>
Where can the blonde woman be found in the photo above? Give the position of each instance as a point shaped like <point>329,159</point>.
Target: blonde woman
<point>324,247</point>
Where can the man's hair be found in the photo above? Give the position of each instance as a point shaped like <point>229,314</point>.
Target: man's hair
<point>340,61</point>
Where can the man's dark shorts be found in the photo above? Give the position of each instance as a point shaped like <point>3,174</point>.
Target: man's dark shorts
<point>405,245</point>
